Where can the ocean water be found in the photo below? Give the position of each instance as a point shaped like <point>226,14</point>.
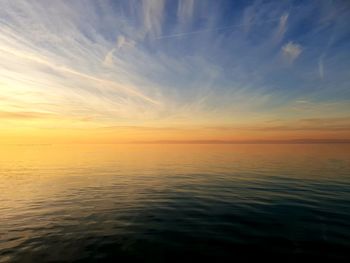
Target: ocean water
<point>174,203</point>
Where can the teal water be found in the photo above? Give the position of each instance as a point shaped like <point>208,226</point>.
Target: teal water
<point>174,203</point>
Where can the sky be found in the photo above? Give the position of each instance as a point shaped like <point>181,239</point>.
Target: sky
<point>98,71</point>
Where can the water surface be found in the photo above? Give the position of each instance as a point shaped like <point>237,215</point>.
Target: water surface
<point>161,203</point>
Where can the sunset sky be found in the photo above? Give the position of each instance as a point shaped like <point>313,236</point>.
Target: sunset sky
<point>137,71</point>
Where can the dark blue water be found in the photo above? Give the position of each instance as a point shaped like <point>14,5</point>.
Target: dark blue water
<point>175,203</point>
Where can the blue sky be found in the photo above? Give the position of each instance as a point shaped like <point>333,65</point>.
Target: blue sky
<point>170,63</point>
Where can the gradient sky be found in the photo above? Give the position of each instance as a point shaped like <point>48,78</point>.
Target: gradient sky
<point>117,71</point>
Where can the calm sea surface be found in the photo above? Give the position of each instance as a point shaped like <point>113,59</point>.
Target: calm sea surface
<point>174,203</point>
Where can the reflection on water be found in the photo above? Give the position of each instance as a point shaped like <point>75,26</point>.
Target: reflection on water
<point>174,202</point>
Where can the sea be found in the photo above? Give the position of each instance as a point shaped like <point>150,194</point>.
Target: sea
<point>175,203</point>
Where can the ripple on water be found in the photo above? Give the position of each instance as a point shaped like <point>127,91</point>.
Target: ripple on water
<point>221,203</point>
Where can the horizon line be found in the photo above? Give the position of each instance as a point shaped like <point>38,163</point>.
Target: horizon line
<point>291,141</point>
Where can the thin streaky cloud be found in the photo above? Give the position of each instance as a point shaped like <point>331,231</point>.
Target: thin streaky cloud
<point>109,84</point>
<point>321,67</point>
<point>184,34</point>
<point>292,51</point>
<point>238,64</point>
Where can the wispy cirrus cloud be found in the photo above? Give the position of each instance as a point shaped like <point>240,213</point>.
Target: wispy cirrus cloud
<point>23,115</point>
<point>291,51</point>
<point>185,10</point>
<point>174,62</point>
<point>282,27</point>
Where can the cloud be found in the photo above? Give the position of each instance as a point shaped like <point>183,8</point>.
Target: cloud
<point>122,42</point>
<point>282,28</point>
<point>24,115</point>
<point>108,59</point>
<point>248,17</point>
<point>108,83</point>
<point>304,125</point>
<point>321,66</point>
<point>312,124</point>
<point>185,10</point>
<point>217,62</point>
<point>291,51</point>
<point>152,11</point>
